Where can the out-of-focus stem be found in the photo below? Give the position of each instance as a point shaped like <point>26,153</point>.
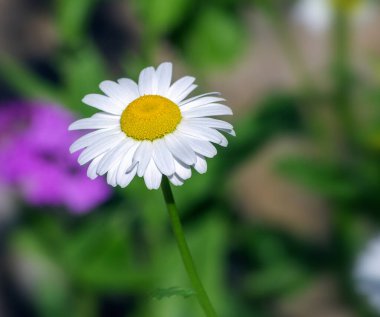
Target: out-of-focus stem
<point>187,259</point>
<point>289,46</point>
<point>341,70</point>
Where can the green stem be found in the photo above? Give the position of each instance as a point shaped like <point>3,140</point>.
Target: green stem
<point>341,67</point>
<point>289,45</point>
<point>187,259</point>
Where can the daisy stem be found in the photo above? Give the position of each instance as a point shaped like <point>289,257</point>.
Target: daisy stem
<point>187,259</point>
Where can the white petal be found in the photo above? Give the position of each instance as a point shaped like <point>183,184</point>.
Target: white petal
<point>179,87</point>
<point>180,148</point>
<point>91,138</point>
<point>231,132</point>
<point>99,148</point>
<point>200,165</point>
<point>116,92</point>
<point>202,147</point>
<point>106,116</point>
<point>111,176</point>
<point>146,81</point>
<point>152,176</point>
<point>213,109</point>
<point>143,156</point>
<point>212,123</point>
<point>182,170</point>
<point>203,133</point>
<point>126,163</point>
<point>91,170</point>
<point>103,103</point>
<point>114,156</point>
<point>96,122</point>
<point>164,77</point>
<point>184,102</point>
<point>130,87</point>
<point>176,180</point>
<point>200,102</point>
<point>184,94</point>
<point>163,158</point>
<point>126,178</point>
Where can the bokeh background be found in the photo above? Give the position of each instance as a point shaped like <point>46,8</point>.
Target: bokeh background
<point>277,222</point>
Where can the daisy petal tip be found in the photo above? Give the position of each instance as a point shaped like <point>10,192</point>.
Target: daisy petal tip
<point>81,161</point>
<point>223,143</point>
<point>71,127</point>
<point>166,64</point>
<point>93,177</point>
<point>86,98</point>
<point>105,83</point>
<point>140,173</point>
<point>72,149</point>
<point>201,171</point>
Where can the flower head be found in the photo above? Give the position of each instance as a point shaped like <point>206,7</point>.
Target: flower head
<point>34,158</point>
<point>151,129</point>
<point>367,273</point>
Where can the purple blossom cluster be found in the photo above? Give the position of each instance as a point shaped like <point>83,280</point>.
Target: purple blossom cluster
<point>35,158</point>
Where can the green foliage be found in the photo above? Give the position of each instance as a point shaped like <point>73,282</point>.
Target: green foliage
<point>81,74</point>
<point>161,293</point>
<point>216,39</point>
<point>324,177</point>
<point>26,82</point>
<point>72,17</point>
<point>126,248</point>
<point>159,17</point>
<point>276,279</point>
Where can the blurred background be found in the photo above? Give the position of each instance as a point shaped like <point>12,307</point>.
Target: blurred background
<point>277,222</point>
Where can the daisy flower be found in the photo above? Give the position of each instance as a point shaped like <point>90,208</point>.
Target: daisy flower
<point>367,273</point>
<point>150,129</point>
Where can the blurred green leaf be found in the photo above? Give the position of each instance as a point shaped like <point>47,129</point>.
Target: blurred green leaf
<point>72,17</point>
<point>161,293</point>
<point>326,178</point>
<point>100,255</point>
<point>26,82</point>
<point>97,253</point>
<point>276,280</point>
<point>82,72</point>
<point>216,39</point>
<point>161,16</point>
<point>45,277</point>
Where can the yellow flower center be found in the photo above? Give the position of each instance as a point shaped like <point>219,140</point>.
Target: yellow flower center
<point>150,117</point>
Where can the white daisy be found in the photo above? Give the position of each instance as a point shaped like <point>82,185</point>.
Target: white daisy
<point>367,273</point>
<point>150,129</point>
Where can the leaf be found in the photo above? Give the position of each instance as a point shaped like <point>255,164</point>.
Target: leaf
<point>72,17</point>
<point>82,73</point>
<point>161,293</point>
<point>325,177</point>
<point>25,81</point>
<point>161,16</point>
<point>217,38</point>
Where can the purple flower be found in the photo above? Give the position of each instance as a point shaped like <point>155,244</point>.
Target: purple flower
<point>35,158</point>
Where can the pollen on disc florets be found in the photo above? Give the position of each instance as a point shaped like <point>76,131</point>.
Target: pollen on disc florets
<point>150,117</point>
